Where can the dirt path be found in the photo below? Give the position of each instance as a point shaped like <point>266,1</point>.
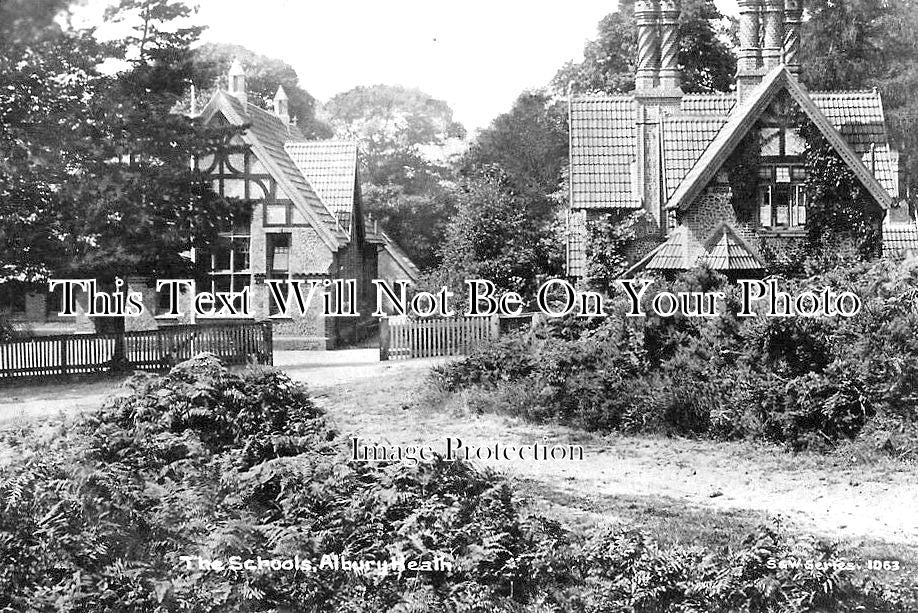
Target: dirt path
<point>679,486</point>
<point>622,477</point>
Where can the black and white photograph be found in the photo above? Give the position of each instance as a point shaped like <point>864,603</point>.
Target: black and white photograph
<point>485,307</point>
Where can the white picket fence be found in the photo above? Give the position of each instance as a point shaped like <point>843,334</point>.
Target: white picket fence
<point>401,338</point>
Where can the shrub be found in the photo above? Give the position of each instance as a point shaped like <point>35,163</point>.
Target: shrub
<point>800,381</point>
<point>206,462</point>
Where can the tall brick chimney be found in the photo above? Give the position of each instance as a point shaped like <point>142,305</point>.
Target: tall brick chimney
<point>749,62</point>
<point>647,16</point>
<point>670,78</point>
<point>793,18</point>
<point>773,28</point>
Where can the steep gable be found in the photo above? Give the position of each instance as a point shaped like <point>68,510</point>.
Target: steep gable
<point>743,120</point>
<point>267,135</point>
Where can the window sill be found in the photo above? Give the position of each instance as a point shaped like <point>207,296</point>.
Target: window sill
<point>781,232</point>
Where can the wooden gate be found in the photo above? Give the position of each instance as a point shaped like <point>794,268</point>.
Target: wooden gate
<point>149,350</point>
<point>401,338</point>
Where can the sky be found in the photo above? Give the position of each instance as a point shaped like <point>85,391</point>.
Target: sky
<point>478,55</point>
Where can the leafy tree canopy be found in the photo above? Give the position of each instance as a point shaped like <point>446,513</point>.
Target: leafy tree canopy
<point>396,127</point>
<point>96,175</point>
<point>530,144</point>
<point>707,62</point>
<point>861,44</point>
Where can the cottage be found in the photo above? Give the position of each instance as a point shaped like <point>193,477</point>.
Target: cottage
<point>668,153</point>
<point>306,219</point>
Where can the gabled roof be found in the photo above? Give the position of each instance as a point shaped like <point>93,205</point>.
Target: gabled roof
<point>267,135</point>
<point>602,150</point>
<point>726,250</point>
<point>604,143</point>
<point>743,119</point>
<point>330,166</point>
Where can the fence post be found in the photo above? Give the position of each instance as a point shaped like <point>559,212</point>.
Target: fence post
<point>268,338</point>
<point>383,339</point>
<point>494,330</point>
<point>63,355</point>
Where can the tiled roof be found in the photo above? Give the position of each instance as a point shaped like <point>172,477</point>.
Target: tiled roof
<point>680,252</point>
<point>270,133</point>
<point>728,251</point>
<point>602,140</point>
<point>602,151</point>
<point>684,140</point>
<point>708,104</point>
<point>330,166</point>
<point>858,116</point>
<point>900,240</point>
<point>884,163</point>
<point>743,119</point>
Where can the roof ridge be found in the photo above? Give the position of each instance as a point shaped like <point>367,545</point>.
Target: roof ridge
<point>601,96</point>
<point>843,92</point>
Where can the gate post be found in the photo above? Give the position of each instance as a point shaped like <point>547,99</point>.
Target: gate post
<point>494,328</point>
<point>383,339</point>
<point>267,333</point>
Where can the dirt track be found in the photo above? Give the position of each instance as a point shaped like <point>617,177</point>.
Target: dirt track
<point>817,494</point>
<point>619,476</point>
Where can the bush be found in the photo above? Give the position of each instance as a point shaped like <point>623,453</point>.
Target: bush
<point>797,381</point>
<point>206,462</point>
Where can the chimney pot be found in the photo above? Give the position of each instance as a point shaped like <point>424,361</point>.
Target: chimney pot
<point>237,84</point>
<point>282,104</point>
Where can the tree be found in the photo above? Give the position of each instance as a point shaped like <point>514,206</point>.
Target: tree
<point>530,144</point>
<point>96,165</point>
<point>46,75</point>
<point>405,138</point>
<point>861,44</point>
<point>492,236</point>
<point>706,61</point>
<point>397,127</point>
<point>263,76</point>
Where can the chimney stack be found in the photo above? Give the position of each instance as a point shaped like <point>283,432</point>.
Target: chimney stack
<point>793,18</point>
<point>237,86</point>
<point>282,104</point>
<point>646,16</point>
<point>749,62</point>
<point>670,79</point>
<point>773,28</point>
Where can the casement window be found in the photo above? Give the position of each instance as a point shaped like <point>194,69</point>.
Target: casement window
<point>782,197</point>
<point>278,260</point>
<point>278,255</point>
<point>230,265</point>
